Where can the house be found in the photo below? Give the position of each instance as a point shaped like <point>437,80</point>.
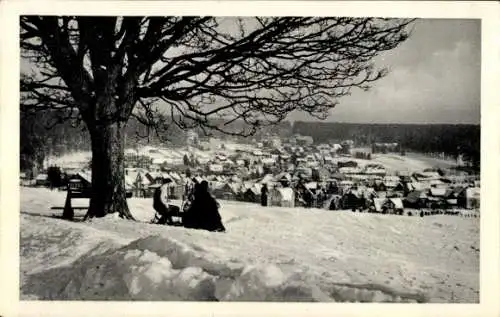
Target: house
<point>472,198</point>
<point>328,159</point>
<point>388,205</point>
<point>405,178</point>
<point>141,185</point>
<point>390,181</point>
<point>215,168</point>
<point>213,183</point>
<point>352,199</point>
<point>455,197</point>
<point>337,177</point>
<point>268,178</point>
<point>431,174</point>
<point>336,148</point>
<point>129,185</point>
<point>437,192</point>
<point>285,179</point>
<point>226,191</point>
<point>403,188</point>
<point>334,202</point>
<point>384,147</point>
<point>349,170</point>
<point>347,164</point>
<point>436,197</point>
<point>304,140</point>
<point>268,161</point>
<point>283,197</point>
<point>427,177</point>
<point>211,178</point>
<point>42,179</point>
<point>24,179</point>
<point>420,185</point>
<point>155,168</point>
<point>437,183</point>
<point>321,173</point>
<point>378,171</point>
<point>158,161</point>
<point>367,192</point>
<point>146,183</point>
<point>198,179</point>
<point>379,186</point>
<point>416,199</point>
<point>252,193</point>
<point>346,183</point>
<point>131,172</point>
<point>397,204</point>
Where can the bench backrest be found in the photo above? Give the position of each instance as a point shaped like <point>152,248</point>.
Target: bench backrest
<point>77,186</point>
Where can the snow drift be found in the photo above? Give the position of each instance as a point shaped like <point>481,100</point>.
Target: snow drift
<point>158,268</point>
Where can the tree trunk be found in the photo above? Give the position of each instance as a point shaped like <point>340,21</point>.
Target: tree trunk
<point>108,178</point>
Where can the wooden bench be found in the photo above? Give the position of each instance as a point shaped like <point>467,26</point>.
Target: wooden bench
<point>77,189</point>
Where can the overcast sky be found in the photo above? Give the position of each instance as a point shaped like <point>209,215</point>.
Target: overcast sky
<point>434,78</point>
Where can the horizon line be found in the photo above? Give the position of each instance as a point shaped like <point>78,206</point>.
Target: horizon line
<point>387,123</point>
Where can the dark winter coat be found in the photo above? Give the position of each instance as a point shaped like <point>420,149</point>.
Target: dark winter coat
<point>263,196</point>
<point>203,213</point>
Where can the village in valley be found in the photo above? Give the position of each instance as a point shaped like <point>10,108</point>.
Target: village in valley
<point>297,172</point>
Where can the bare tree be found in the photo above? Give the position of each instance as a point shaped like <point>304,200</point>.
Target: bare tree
<point>184,71</point>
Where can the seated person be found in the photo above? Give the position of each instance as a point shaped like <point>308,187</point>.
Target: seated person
<point>161,202</point>
<point>203,212</point>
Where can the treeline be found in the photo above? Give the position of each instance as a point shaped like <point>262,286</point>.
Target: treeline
<point>424,138</point>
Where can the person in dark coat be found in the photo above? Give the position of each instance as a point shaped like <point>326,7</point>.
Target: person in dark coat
<point>204,211</point>
<point>263,195</point>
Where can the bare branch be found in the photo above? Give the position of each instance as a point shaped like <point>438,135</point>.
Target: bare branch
<point>249,70</point>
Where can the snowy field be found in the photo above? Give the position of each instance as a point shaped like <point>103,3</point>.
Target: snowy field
<point>409,163</point>
<point>271,254</point>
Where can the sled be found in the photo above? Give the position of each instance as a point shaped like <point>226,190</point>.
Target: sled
<point>172,218</point>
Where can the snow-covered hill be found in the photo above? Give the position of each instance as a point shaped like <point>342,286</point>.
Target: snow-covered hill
<point>271,254</point>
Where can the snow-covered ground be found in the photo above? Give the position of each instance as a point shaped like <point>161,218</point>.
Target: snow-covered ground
<point>271,254</point>
<point>393,162</point>
<point>411,162</point>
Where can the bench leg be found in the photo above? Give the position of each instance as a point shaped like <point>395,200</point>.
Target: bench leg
<point>68,212</point>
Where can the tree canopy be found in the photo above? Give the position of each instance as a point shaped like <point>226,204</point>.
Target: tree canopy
<point>184,71</point>
<point>194,68</point>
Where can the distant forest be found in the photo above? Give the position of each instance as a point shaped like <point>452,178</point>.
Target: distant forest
<point>451,139</point>
<point>37,141</point>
